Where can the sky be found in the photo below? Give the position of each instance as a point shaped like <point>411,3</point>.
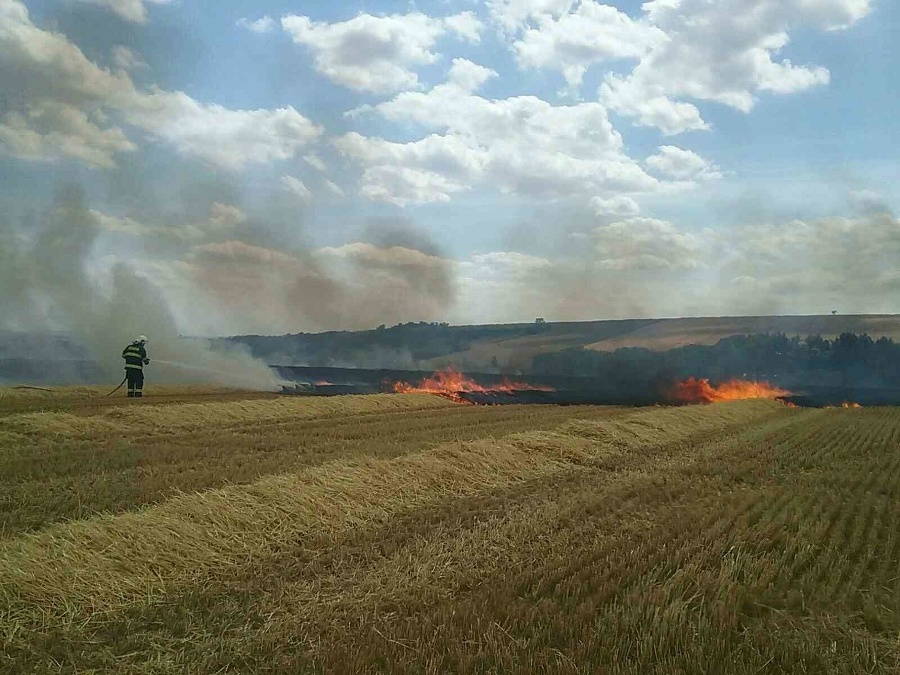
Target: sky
<point>275,167</point>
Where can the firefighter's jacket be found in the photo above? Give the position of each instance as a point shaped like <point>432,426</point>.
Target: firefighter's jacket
<point>135,356</point>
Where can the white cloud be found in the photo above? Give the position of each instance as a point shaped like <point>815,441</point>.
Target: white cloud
<point>226,216</point>
<point>670,117</point>
<point>130,10</point>
<point>682,164</point>
<point>869,201</point>
<point>466,25</point>
<point>697,62</point>
<point>265,24</point>
<point>592,33</point>
<point>616,205</point>
<point>647,244</point>
<point>66,97</point>
<point>512,14</point>
<point>521,145</point>
<point>315,162</point>
<point>125,59</point>
<point>334,188</point>
<point>221,136</point>
<point>377,54</point>
<point>469,76</point>
<point>296,187</point>
<point>47,131</point>
<point>429,170</point>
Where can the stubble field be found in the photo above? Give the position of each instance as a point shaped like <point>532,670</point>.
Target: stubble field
<point>210,532</point>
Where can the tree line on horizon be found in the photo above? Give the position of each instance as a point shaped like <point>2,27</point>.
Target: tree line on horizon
<point>849,360</point>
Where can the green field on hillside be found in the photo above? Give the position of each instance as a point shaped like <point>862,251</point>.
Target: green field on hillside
<point>201,532</point>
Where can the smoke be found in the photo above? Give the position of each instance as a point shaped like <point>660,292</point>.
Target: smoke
<point>399,276</point>
<point>47,286</point>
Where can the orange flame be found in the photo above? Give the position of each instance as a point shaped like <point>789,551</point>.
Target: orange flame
<point>695,390</point>
<point>450,383</point>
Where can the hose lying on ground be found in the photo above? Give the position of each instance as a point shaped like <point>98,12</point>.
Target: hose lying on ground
<point>117,388</point>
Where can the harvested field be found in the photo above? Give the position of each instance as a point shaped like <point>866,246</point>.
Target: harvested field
<point>407,534</point>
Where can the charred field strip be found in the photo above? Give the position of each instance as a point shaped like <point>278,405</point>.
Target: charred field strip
<point>409,534</point>
<point>554,390</point>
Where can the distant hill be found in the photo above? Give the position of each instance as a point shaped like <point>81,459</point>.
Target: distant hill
<point>496,348</point>
<point>511,347</point>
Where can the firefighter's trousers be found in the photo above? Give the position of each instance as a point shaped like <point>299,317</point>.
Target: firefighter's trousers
<point>135,377</point>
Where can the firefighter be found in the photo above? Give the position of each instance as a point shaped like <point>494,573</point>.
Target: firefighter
<point>135,356</point>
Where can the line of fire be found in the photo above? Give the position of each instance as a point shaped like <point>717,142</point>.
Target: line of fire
<point>492,389</point>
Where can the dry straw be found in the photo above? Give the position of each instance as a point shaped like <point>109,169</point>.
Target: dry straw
<point>71,571</point>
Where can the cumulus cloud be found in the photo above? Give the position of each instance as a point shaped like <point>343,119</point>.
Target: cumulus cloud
<point>377,54</point>
<point>315,162</point>
<point>65,98</point>
<point>681,164</point>
<point>47,131</point>
<point>592,33</point>
<point>616,205</point>
<point>695,62</point>
<point>512,14</point>
<point>869,201</point>
<point>679,47</point>
<point>651,110</point>
<point>219,135</point>
<point>429,170</point>
<point>521,145</point>
<point>134,11</point>
<point>468,76</point>
<point>124,58</point>
<point>647,243</point>
<point>466,25</point>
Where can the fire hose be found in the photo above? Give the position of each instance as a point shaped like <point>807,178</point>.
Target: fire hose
<point>117,388</point>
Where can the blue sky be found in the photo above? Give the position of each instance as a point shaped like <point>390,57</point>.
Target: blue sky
<point>275,166</point>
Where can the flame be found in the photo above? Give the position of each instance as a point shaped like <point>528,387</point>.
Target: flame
<point>850,405</point>
<point>694,390</point>
<point>323,383</point>
<point>450,383</point>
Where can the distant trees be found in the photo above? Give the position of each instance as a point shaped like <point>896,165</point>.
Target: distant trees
<point>415,340</point>
<point>848,359</point>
